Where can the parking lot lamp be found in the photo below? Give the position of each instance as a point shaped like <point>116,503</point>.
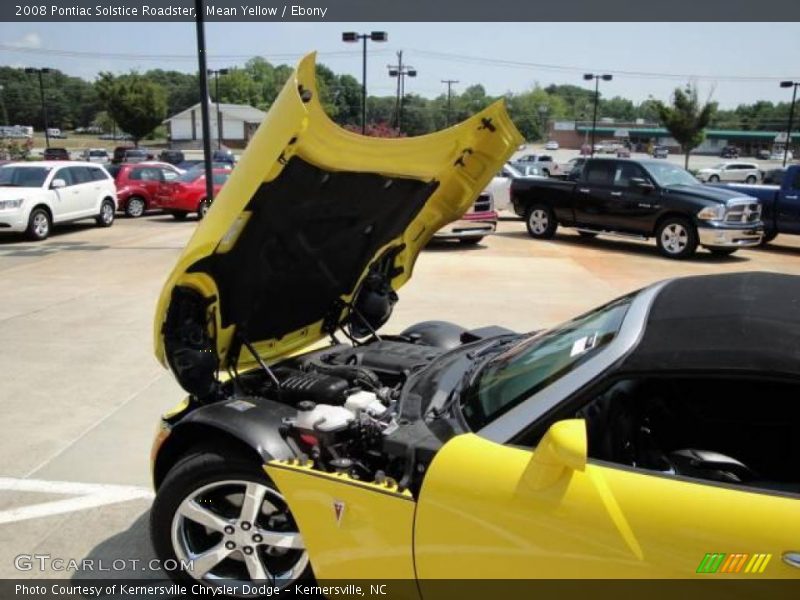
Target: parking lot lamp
<point>217,73</point>
<point>41,72</point>
<point>375,36</point>
<point>793,85</point>
<point>597,78</point>
<point>449,83</point>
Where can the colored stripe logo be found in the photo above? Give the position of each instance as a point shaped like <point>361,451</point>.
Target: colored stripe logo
<point>720,562</point>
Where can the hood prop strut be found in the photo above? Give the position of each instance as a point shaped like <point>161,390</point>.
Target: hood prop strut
<point>261,362</point>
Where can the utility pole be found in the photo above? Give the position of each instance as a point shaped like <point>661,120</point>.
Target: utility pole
<point>794,85</point>
<point>597,78</point>
<point>40,72</point>
<point>449,83</point>
<point>217,73</point>
<point>401,71</point>
<point>204,116</point>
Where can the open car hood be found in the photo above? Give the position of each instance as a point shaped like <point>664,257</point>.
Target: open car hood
<point>311,216</point>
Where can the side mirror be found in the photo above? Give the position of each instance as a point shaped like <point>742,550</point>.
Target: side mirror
<point>641,183</point>
<point>58,183</point>
<point>564,448</point>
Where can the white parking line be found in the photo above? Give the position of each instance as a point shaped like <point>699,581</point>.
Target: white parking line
<point>85,496</point>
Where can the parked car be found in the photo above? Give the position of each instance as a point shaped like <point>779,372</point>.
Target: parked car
<point>223,156</point>
<point>478,222</point>
<point>632,440</point>
<point>129,154</point>
<point>551,145</point>
<point>142,186</point>
<point>98,155</point>
<point>743,172</point>
<point>36,195</point>
<point>512,170</point>
<point>660,152</point>
<point>644,199</point>
<point>780,203</point>
<point>729,152</point>
<point>572,168</point>
<point>187,194</point>
<point>188,165</point>
<point>54,132</point>
<point>173,157</point>
<point>544,161</point>
<point>778,155</point>
<point>55,154</point>
<point>763,154</point>
<point>623,152</point>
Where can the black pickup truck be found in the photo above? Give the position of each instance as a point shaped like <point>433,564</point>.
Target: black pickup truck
<point>641,199</point>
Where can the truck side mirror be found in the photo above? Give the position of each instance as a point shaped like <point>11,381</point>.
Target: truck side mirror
<point>563,449</point>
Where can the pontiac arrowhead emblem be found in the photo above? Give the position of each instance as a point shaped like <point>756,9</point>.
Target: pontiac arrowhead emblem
<point>338,509</point>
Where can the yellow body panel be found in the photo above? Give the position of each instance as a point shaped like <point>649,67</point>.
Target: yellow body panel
<point>478,517</point>
<point>462,159</point>
<point>370,539</point>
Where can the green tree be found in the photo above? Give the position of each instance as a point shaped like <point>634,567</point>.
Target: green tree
<point>686,119</point>
<point>137,104</point>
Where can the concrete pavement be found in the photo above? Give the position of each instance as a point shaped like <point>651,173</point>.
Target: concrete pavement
<point>80,391</point>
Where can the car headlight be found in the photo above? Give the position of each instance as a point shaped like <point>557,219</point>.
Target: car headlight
<point>9,204</point>
<point>712,213</point>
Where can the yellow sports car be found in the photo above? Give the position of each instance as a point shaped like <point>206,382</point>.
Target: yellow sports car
<point>656,436</point>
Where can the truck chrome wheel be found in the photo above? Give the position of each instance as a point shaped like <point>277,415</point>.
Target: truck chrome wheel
<point>235,532</point>
<point>539,221</point>
<point>674,238</point>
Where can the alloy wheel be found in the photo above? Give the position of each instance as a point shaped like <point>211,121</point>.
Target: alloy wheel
<point>41,225</point>
<point>539,221</point>
<point>674,238</point>
<point>235,532</point>
<point>107,213</point>
<point>135,207</point>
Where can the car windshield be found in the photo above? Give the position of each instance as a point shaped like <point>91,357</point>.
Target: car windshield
<point>512,170</point>
<point>23,176</point>
<point>667,175</point>
<point>536,363</point>
<point>719,166</point>
<point>191,176</point>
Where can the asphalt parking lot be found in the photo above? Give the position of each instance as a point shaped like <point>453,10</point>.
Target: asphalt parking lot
<point>81,392</point>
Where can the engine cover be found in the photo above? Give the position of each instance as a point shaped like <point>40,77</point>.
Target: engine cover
<point>297,386</point>
<point>389,359</point>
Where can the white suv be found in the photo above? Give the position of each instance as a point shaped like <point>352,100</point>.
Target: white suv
<point>35,195</point>
<point>742,172</point>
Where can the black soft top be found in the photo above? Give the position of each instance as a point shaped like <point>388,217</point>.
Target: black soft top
<point>732,322</point>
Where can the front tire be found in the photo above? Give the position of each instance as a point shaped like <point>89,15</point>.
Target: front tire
<point>106,216</point>
<point>202,209</point>
<point>218,509</point>
<point>135,207</point>
<point>768,237</point>
<point>541,222</point>
<point>676,238</point>
<point>751,179</point>
<point>179,215</point>
<point>39,225</point>
<point>713,179</point>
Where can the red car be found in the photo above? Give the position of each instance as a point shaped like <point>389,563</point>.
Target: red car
<point>188,193</point>
<point>142,186</point>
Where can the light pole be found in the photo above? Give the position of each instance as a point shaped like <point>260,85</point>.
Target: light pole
<point>794,85</point>
<point>401,71</point>
<point>449,83</point>
<point>597,78</point>
<point>200,32</point>
<point>216,73</point>
<point>3,103</point>
<point>41,72</point>
<point>375,36</point>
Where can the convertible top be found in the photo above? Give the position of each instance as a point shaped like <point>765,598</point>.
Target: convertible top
<point>731,322</point>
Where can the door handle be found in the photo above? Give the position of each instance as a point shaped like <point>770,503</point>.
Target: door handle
<point>584,190</point>
<point>792,559</point>
<point>616,194</point>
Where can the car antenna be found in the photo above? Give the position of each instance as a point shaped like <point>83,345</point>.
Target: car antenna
<point>261,362</point>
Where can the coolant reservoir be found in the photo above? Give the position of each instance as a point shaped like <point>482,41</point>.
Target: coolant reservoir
<point>322,417</point>
<point>363,401</point>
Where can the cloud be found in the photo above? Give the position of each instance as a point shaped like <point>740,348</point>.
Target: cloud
<point>29,40</point>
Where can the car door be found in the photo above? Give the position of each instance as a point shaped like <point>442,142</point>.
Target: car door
<point>86,190</point>
<point>592,195</point>
<point>493,511</point>
<point>633,201</point>
<point>66,201</point>
<point>788,206</point>
<point>167,177</point>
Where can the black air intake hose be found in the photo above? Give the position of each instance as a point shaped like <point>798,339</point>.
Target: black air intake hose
<point>358,374</point>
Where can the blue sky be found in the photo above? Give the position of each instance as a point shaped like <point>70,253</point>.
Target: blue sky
<point>735,62</point>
